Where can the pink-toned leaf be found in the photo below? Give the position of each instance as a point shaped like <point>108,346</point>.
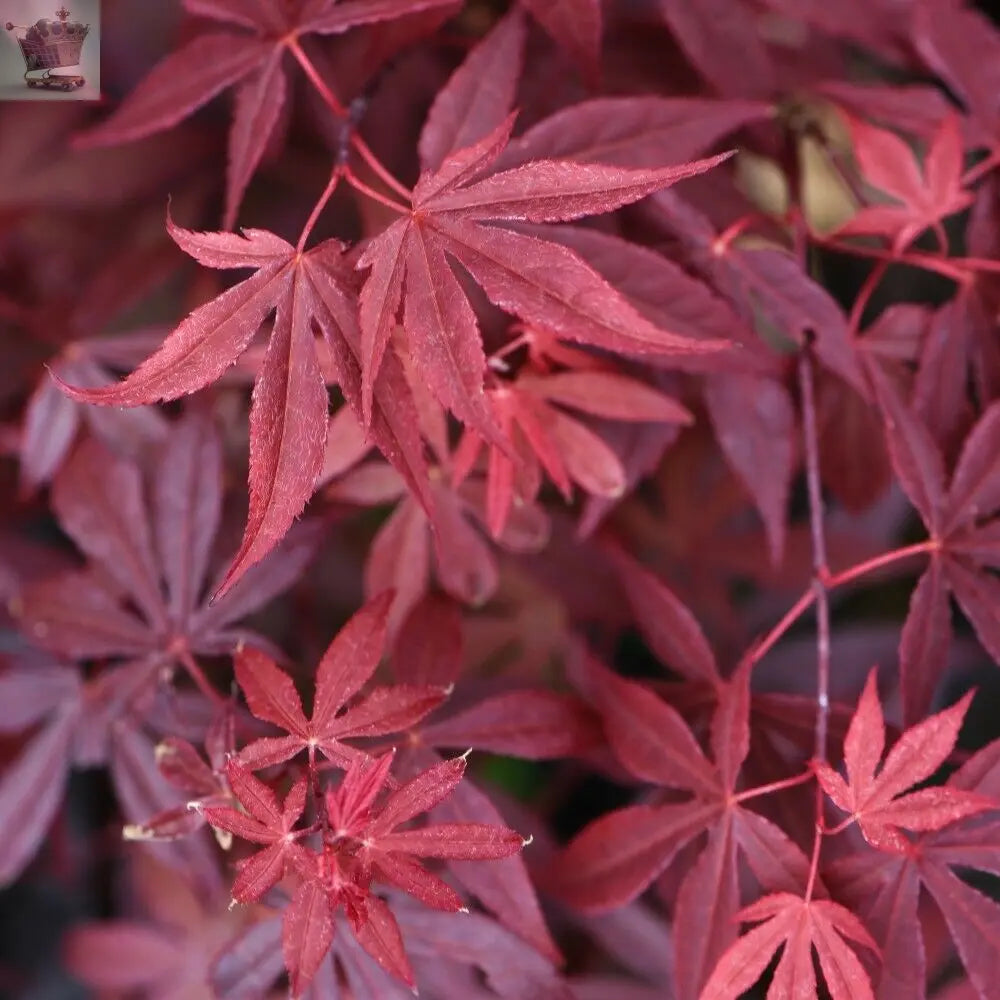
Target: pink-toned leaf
<point>306,934</point>
<point>350,660</point>
<point>588,460</point>
<point>288,420</point>
<point>721,41</point>
<point>618,856</point>
<point>269,692</point>
<point>559,191</point>
<point>201,348</point>
<point>187,505</point>
<point>914,454</point>
<point>575,25</point>
<point>647,735</point>
<point>731,726</point>
<point>443,333</point>
<point>755,425</point>
<point>975,485</point>
<point>259,102</point>
<point>706,904</point>
<point>30,792</point>
<point>462,841</point>
<point>419,794</point>
<point>635,131</point>
<point>667,625</point>
<point>99,502</point>
<point>479,95</point>
<point>923,645</point>
<point>549,285</point>
<point>379,935</point>
<point>607,394</point>
<point>977,594</point>
<point>120,955</point>
<point>178,85</point>
<point>535,725</point>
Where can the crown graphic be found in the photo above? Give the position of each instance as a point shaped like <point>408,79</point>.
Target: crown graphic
<point>47,45</point>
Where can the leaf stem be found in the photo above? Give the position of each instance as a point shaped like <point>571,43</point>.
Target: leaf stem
<point>762,648</point>
<point>774,786</point>
<point>927,262</point>
<point>329,98</point>
<point>338,172</point>
<point>360,185</point>
<point>872,279</point>
<point>886,559</point>
<point>983,167</point>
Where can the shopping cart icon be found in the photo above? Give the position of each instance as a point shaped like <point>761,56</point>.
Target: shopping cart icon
<point>48,45</point>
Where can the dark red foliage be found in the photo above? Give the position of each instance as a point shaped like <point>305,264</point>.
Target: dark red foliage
<point>607,397</point>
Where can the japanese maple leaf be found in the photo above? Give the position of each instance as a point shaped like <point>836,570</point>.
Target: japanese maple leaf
<point>248,52</point>
<point>288,417</point>
<point>879,802</point>
<point>414,547</point>
<point>928,195</point>
<point>885,891</point>
<point>346,666</point>
<point>364,844</point>
<point>165,951</point>
<point>961,518</point>
<point>155,554</point>
<point>459,213</point>
<point>388,854</point>
<point>618,856</point>
<point>77,722</point>
<point>452,955</point>
<point>204,784</point>
<point>261,821</point>
<point>802,926</point>
<point>528,411</point>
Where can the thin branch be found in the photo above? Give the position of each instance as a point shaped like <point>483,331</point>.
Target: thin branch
<point>821,575</point>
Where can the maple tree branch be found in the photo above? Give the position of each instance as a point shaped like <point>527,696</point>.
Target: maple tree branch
<point>821,574</point>
<point>334,104</point>
<point>335,176</point>
<point>821,570</point>
<point>360,185</point>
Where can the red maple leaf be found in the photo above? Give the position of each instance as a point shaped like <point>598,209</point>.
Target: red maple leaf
<point>388,854</point>
<point>529,411</point>
<point>927,195</point>
<point>885,891</point>
<point>877,801</point>
<point>288,419</point>
<point>261,821</point>
<point>345,668</point>
<point>802,926</point>
<point>459,212</point>
<point>961,518</point>
<point>253,59</point>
